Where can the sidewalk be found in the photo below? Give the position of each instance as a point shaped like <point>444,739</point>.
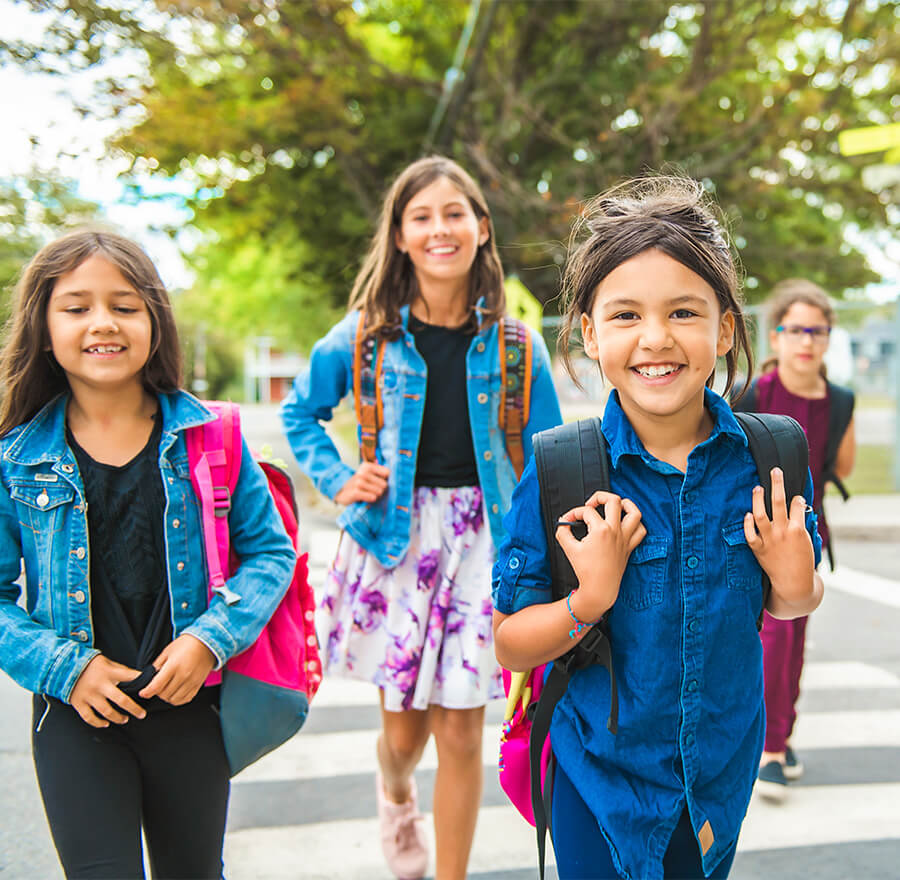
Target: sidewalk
<point>864,517</point>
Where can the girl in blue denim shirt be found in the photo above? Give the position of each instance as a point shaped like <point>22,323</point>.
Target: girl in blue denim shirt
<point>407,600</point>
<point>673,557</point>
<point>116,635</point>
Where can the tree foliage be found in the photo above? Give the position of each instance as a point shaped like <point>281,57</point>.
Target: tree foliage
<point>291,118</point>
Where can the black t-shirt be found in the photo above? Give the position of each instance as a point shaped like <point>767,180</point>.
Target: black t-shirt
<point>446,453</point>
<point>130,604</point>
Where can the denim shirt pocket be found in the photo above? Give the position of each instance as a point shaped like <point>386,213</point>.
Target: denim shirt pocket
<point>41,506</point>
<point>742,571</point>
<point>645,574</point>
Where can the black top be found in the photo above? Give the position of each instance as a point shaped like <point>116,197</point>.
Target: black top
<point>130,605</point>
<point>446,452</point>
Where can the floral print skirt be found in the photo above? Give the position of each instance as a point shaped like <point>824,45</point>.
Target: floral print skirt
<point>421,631</point>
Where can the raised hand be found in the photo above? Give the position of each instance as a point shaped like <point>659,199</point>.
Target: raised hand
<point>182,667</point>
<point>96,696</point>
<point>368,484</point>
<point>782,545</point>
<point>599,559</point>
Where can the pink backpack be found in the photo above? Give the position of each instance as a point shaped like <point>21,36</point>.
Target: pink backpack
<point>266,689</point>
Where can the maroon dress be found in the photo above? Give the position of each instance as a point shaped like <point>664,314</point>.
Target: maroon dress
<point>783,640</point>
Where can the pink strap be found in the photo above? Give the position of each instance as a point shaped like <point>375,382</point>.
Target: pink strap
<point>214,458</point>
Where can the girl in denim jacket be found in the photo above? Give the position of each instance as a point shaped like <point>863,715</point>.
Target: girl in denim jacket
<point>116,634</point>
<point>407,600</point>
<point>672,559</point>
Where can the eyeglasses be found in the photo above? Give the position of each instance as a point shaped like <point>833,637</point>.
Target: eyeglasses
<point>796,331</point>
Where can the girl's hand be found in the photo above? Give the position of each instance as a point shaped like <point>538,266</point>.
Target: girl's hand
<point>368,484</point>
<point>182,667</point>
<point>782,545</point>
<point>96,696</point>
<point>599,559</point>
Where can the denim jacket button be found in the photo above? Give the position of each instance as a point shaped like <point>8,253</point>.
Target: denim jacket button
<point>67,468</point>
<point>79,596</point>
<point>184,606</point>
<point>692,562</point>
<point>488,455</point>
<point>81,552</point>
<point>42,500</point>
<point>482,398</point>
<point>176,523</point>
<point>495,508</point>
<point>81,635</point>
<point>480,346</point>
<point>180,566</point>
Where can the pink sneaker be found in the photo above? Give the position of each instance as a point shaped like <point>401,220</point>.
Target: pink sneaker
<point>403,839</point>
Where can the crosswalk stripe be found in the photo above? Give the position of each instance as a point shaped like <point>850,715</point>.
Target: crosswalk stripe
<point>848,730</point>
<point>850,674</point>
<point>864,585</point>
<point>350,849</point>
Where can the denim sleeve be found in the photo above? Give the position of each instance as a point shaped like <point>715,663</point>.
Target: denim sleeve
<point>812,521</point>
<point>267,557</point>
<point>544,409</point>
<point>314,395</point>
<point>521,575</point>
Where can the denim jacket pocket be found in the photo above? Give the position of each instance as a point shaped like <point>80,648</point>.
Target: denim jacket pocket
<point>41,505</point>
<point>645,574</point>
<point>742,571</point>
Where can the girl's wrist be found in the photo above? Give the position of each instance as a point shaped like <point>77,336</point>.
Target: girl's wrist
<point>580,619</point>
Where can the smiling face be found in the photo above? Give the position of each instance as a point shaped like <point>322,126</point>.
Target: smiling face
<point>441,234</point>
<point>100,328</point>
<point>656,329</point>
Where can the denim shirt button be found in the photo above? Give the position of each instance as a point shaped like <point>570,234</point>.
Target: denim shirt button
<point>688,497</point>
<point>482,398</point>
<point>513,562</point>
<point>488,455</point>
<point>689,739</point>
<point>692,562</point>
<point>480,346</point>
<point>180,566</point>
<point>692,686</point>
<point>495,508</point>
<point>694,626</point>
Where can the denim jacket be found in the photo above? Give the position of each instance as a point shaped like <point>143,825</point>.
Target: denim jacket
<point>45,645</point>
<point>383,528</point>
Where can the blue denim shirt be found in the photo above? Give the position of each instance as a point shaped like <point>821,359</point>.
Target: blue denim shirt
<point>383,528</point>
<point>45,645</point>
<point>686,651</point>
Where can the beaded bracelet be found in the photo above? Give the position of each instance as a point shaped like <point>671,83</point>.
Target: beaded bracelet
<point>580,625</point>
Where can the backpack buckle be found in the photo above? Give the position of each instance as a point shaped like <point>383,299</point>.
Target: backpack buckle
<point>221,500</point>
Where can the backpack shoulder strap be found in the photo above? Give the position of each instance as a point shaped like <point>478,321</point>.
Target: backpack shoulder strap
<point>367,368</point>
<point>571,464</point>
<point>840,411</point>
<point>214,458</point>
<point>515,386</point>
<point>747,401</point>
<point>776,441</point>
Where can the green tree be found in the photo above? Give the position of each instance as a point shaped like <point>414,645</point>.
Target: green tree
<point>290,118</point>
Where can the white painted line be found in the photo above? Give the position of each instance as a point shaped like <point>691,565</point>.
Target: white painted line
<point>866,586</point>
<point>848,730</point>
<point>350,849</point>
<point>820,815</point>
<point>846,675</point>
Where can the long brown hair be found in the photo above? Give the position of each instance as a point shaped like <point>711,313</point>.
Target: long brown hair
<point>387,280</point>
<point>670,214</point>
<point>784,294</point>
<point>29,373</point>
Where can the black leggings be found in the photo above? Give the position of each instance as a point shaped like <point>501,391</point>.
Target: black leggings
<point>167,773</point>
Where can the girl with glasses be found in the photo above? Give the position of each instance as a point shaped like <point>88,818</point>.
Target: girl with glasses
<point>793,382</point>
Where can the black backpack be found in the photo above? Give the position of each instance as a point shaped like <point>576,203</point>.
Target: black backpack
<point>572,463</point>
<point>840,411</point>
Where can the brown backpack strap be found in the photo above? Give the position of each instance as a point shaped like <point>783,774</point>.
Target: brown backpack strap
<point>515,387</point>
<point>367,364</point>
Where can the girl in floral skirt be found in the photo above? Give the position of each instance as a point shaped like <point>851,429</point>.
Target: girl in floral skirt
<point>407,601</point>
